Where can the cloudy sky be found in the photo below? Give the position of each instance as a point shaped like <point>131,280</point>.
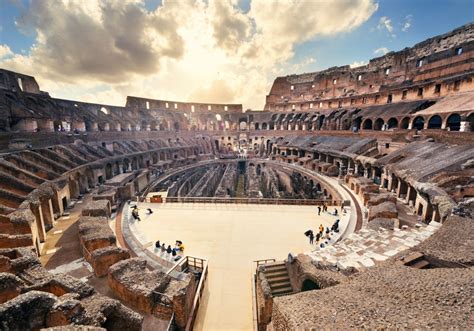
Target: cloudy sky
<point>225,51</point>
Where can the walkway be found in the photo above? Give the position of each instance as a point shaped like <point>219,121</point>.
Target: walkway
<point>231,237</point>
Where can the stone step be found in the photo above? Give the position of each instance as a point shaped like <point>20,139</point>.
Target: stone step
<point>279,285</point>
<point>275,274</point>
<point>422,264</point>
<point>282,291</point>
<point>274,280</point>
<point>274,268</point>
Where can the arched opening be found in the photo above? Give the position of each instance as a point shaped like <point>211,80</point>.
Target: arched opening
<point>108,171</point>
<point>470,120</point>
<point>176,126</point>
<point>264,126</point>
<point>356,124</point>
<point>405,123</point>
<point>435,122</point>
<point>57,126</point>
<point>309,285</point>
<point>257,126</point>
<point>378,124</point>
<point>321,121</point>
<point>418,123</point>
<point>392,123</point>
<point>454,122</point>
<point>243,126</point>
<point>367,124</point>
<point>420,210</point>
<point>88,125</point>
<point>126,165</point>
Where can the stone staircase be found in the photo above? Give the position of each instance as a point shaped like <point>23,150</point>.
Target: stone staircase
<point>363,249</point>
<point>278,278</point>
<point>416,260</point>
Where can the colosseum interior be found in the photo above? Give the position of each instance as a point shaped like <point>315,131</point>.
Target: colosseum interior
<point>389,145</point>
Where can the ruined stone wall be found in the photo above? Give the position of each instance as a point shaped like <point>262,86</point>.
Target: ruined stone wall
<point>392,71</point>
<point>33,298</point>
<point>226,187</point>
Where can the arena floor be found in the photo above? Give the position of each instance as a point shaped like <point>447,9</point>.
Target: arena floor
<point>231,237</point>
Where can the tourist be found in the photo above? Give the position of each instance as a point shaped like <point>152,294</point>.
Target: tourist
<point>311,238</point>
<point>135,214</point>
<point>319,210</point>
<point>169,250</point>
<point>149,211</point>
<point>157,244</point>
<point>163,248</point>
<point>173,252</point>
<point>327,230</point>
<point>321,228</point>
<point>318,235</point>
<point>335,226</point>
<point>335,211</point>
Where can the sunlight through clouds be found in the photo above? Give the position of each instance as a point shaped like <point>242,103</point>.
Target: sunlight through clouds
<point>205,51</point>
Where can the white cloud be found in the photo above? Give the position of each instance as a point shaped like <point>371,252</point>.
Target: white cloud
<point>356,64</point>
<point>385,23</point>
<point>408,22</point>
<point>5,51</point>
<point>203,51</point>
<point>381,51</point>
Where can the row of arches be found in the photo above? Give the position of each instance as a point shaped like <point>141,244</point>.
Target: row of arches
<point>452,123</point>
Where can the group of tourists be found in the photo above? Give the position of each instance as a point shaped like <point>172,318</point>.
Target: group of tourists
<point>324,233</point>
<point>178,248</point>
<point>324,208</point>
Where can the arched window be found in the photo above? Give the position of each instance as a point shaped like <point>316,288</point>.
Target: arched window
<point>367,124</point>
<point>418,123</point>
<point>454,122</point>
<point>392,123</point>
<point>378,124</point>
<point>435,122</point>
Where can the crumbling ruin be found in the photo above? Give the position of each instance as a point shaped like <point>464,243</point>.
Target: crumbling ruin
<point>394,138</point>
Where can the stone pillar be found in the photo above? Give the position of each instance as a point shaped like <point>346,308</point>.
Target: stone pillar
<point>74,188</point>
<point>45,125</point>
<point>37,212</point>
<point>407,199</point>
<point>83,185</point>
<point>465,126</point>
<point>47,213</point>
<point>342,170</point>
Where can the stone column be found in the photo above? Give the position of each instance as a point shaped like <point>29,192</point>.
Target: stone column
<point>47,213</point>
<point>465,126</point>
<point>37,212</point>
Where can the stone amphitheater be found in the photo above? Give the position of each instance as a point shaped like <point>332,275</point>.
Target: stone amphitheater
<point>389,145</point>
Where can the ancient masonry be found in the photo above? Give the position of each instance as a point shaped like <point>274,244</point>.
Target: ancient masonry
<point>394,136</point>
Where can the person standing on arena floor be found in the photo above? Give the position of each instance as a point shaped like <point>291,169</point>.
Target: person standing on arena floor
<point>319,210</point>
<point>311,238</point>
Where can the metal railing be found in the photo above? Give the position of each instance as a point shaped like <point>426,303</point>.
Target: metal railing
<point>262,262</point>
<point>263,201</point>
<point>200,288</point>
